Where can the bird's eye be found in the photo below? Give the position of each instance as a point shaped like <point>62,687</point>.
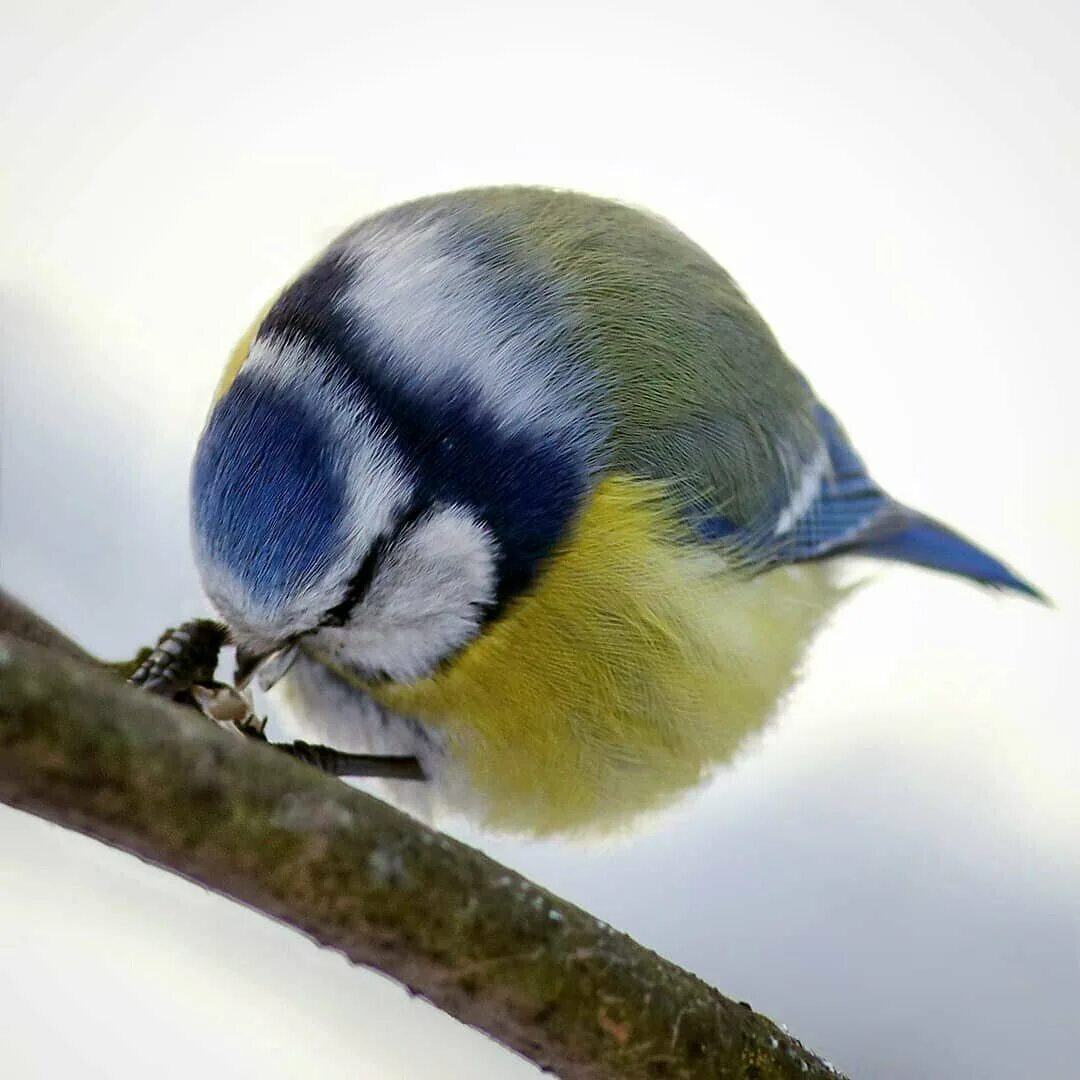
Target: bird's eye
<point>360,582</point>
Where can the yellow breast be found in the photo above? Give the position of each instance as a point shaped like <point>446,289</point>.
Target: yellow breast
<point>638,663</point>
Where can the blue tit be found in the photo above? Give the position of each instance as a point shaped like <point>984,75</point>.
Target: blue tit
<point>533,494</point>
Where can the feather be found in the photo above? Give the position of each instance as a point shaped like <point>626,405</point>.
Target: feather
<point>851,514</point>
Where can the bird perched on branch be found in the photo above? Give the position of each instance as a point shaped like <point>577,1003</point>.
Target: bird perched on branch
<point>527,489</point>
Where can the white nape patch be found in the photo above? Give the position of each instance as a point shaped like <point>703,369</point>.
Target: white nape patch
<point>445,325</point>
<point>377,486</point>
<point>813,474</point>
<point>426,600</point>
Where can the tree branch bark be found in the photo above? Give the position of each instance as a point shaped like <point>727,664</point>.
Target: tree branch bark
<point>541,976</point>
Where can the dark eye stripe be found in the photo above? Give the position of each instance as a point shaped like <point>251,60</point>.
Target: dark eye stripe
<point>360,582</point>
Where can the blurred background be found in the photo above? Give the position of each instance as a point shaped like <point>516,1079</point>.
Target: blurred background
<point>894,870</point>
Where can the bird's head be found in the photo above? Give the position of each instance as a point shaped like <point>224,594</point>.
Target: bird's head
<point>311,525</point>
<point>364,491</point>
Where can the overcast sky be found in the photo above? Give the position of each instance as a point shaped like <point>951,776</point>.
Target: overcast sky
<point>894,870</point>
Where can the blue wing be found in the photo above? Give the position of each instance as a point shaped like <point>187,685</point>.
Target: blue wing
<point>836,508</point>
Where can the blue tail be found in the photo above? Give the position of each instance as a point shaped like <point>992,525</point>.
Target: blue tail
<point>852,515</point>
<point>914,538</point>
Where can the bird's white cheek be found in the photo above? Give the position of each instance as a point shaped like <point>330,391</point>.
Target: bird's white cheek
<point>426,601</point>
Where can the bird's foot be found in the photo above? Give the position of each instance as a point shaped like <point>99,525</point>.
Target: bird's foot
<point>183,657</point>
<point>181,667</point>
<point>356,766</point>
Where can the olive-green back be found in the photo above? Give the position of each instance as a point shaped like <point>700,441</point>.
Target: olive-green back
<point>698,391</point>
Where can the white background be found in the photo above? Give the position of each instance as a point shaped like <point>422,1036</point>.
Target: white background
<point>894,871</point>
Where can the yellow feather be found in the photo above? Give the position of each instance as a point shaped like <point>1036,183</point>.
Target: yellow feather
<point>638,663</point>
<point>238,356</point>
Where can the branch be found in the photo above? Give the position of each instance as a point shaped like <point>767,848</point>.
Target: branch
<point>543,977</point>
<point>22,622</point>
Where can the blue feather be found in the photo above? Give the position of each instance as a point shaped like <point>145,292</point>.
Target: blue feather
<point>266,497</point>
<point>525,488</point>
<point>852,515</point>
<point>926,542</point>
<point>848,504</point>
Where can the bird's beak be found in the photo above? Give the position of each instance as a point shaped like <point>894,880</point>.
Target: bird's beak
<point>270,665</point>
<point>247,663</point>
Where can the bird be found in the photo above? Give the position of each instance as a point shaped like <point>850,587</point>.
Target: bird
<point>516,481</point>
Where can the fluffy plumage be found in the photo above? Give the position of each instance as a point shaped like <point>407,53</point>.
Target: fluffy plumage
<point>526,468</point>
<point>634,665</point>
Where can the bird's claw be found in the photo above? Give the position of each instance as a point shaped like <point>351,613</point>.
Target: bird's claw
<point>181,667</point>
<point>183,657</point>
